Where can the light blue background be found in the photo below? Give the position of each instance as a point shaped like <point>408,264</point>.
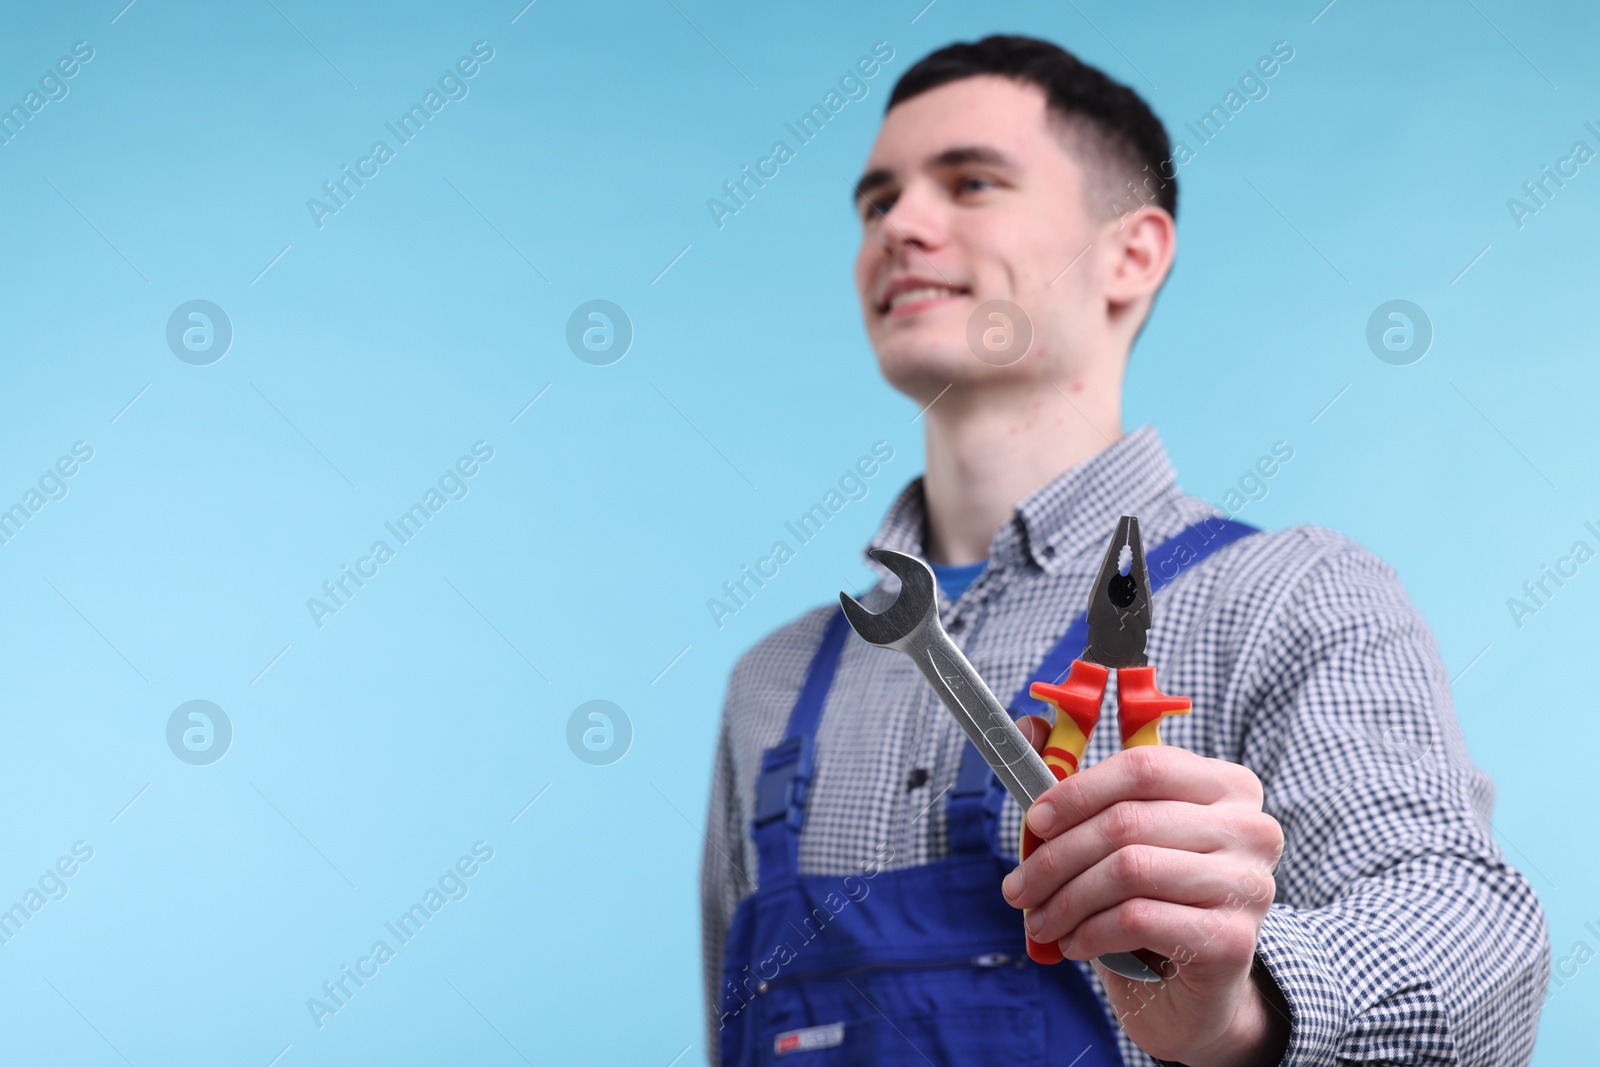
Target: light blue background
<point>429,312</point>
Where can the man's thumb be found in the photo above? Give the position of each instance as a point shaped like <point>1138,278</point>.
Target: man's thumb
<point>1036,729</point>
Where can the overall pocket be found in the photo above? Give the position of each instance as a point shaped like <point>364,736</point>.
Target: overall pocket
<point>971,1011</point>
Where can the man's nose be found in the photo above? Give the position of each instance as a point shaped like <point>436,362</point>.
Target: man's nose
<point>913,221</point>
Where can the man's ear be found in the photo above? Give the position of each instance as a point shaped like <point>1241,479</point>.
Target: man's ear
<point>1142,245</point>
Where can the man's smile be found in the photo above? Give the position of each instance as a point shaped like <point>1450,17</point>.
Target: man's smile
<point>909,294</point>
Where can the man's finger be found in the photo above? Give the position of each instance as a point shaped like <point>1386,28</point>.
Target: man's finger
<point>1199,941</point>
<point>1157,823</point>
<point>1148,772</point>
<point>1172,875</point>
<point>1036,729</point>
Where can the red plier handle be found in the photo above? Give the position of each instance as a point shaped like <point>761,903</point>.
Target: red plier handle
<point>1140,709</point>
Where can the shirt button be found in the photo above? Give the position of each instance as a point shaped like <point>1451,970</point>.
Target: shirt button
<point>918,779</point>
<point>957,625</point>
<point>1049,551</point>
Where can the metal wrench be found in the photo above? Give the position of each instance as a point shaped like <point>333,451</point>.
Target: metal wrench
<point>911,625</point>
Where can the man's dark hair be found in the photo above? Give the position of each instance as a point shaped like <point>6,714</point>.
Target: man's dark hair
<point>1119,138</point>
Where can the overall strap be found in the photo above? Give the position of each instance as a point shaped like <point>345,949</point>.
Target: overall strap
<point>976,800</point>
<point>786,767</point>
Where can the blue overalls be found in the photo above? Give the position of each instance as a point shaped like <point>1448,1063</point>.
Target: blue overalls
<point>914,965</point>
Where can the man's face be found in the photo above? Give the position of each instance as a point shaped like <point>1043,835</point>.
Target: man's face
<point>969,193</point>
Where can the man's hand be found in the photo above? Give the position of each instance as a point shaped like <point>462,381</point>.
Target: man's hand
<point>1162,849</point>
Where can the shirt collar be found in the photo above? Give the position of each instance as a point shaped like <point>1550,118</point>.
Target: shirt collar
<point>1063,521</point>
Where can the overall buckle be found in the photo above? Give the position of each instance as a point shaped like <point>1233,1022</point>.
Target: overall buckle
<point>783,782</point>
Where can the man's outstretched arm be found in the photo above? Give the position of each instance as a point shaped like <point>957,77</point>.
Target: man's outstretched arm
<point>1393,930</point>
<point>1401,933</point>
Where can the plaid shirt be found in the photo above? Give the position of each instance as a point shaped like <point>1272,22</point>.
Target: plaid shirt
<point>1398,932</point>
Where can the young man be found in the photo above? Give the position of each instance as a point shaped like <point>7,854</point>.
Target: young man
<point>1310,848</point>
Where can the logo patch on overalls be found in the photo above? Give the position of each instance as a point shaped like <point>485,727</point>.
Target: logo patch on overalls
<point>812,1037</point>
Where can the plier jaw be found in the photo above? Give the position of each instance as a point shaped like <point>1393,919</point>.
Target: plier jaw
<point>1119,624</point>
<point>1119,603</point>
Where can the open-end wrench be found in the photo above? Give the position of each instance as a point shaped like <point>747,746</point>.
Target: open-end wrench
<point>911,625</point>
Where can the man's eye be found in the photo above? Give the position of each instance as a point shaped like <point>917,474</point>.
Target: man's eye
<point>973,183</point>
<point>872,209</point>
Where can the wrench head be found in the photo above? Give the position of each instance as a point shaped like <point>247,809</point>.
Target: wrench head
<point>912,608</point>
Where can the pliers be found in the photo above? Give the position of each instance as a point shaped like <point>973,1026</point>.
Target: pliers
<point>1119,623</point>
